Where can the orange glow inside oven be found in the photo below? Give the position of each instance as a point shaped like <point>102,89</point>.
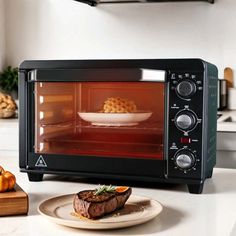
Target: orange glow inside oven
<point>70,119</point>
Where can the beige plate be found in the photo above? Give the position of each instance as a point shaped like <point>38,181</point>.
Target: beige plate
<point>114,119</point>
<point>136,211</point>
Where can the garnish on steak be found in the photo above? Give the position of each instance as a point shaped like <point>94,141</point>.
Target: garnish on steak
<point>101,201</point>
<point>105,189</point>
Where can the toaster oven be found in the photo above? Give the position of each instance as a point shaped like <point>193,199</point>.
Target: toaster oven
<point>144,120</point>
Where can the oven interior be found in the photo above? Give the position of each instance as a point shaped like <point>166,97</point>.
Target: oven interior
<point>109,119</point>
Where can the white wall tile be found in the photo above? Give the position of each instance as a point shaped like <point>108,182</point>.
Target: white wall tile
<point>2,34</point>
<point>66,29</point>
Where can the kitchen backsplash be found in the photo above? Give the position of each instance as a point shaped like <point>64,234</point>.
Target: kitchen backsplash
<point>66,29</point>
<point>2,34</point>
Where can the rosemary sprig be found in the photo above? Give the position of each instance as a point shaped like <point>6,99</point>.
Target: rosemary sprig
<point>105,189</point>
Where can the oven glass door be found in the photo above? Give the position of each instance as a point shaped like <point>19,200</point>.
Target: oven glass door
<point>101,117</point>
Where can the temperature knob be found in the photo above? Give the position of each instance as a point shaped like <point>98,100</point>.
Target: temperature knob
<point>185,159</point>
<point>185,120</point>
<point>186,88</point>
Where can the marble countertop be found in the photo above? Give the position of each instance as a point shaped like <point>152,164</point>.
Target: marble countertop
<point>212,213</point>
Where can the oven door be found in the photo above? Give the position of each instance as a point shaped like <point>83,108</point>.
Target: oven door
<point>97,122</point>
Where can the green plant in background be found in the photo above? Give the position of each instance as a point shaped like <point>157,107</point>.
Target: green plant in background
<point>9,79</point>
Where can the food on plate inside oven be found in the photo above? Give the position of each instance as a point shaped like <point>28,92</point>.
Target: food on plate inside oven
<point>118,105</point>
<point>96,203</point>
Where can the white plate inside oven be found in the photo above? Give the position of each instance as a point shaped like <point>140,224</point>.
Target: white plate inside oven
<point>137,210</point>
<point>115,119</point>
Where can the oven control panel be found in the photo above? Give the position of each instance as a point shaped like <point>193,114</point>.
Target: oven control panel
<point>185,124</point>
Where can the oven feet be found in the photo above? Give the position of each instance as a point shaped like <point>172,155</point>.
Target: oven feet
<point>195,188</point>
<point>209,174</point>
<point>35,177</point>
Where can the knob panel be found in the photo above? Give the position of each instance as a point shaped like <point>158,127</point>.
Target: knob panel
<point>185,122</point>
<point>186,88</point>
<point>185,159</point>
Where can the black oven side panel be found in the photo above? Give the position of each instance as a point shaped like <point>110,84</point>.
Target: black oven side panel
<point>26,119</point>
<point>210,128</point>
<point>23,127</point>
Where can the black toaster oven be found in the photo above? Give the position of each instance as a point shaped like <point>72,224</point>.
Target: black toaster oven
<point>145,120</point>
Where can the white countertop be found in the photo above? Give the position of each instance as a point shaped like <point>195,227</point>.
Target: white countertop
<point>227,121</point>
<point>9,132</point>
<point>212,213</point>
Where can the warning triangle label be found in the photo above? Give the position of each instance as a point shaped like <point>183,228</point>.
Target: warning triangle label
<point>40,162</point>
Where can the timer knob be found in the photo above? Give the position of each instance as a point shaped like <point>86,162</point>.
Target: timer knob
<point>186,88</point>
<point>185,120</point>
<point>185,159</point>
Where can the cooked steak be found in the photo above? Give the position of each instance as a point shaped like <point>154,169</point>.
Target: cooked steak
<point>93,206</point>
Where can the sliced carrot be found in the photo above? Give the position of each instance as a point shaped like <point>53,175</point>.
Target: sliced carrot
<point>121,189</point>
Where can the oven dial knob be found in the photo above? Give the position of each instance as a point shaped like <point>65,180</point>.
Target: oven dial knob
<point>185,120</point>
<point>185,159</point>
<point>186,88</point>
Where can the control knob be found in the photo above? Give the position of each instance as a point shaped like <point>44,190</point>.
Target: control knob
<point>185,159</point>
<point>185,120</point>
<point>186,88</point>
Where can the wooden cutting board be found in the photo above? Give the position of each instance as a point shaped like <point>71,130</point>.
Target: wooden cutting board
<point>14,202</point>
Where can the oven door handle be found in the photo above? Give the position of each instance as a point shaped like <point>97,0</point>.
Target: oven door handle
<point>99,75</point>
